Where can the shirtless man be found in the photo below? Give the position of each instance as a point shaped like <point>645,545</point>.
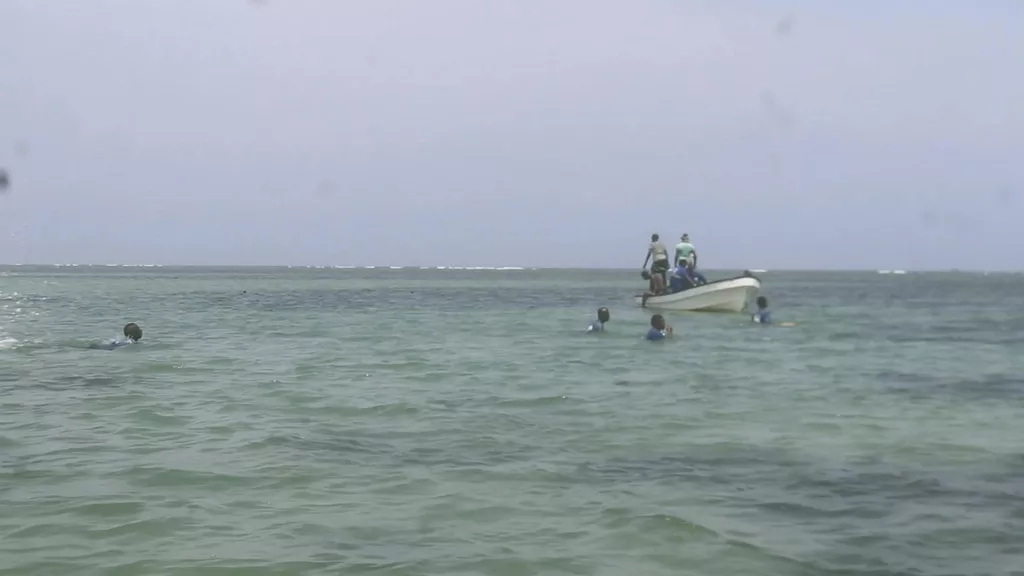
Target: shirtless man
<point>658,255</point>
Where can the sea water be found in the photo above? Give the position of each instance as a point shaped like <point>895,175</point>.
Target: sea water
<point>443,422</point>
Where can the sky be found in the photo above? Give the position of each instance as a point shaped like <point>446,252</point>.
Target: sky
<point>778,134</point>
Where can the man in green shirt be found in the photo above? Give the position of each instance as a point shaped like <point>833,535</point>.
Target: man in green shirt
<point>684,249</point>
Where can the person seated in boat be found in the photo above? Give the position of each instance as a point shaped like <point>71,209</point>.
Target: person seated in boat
<point>658,255</point>
<point>603,317</point>
<point>681,278</point>
<point>697,276</point>
<point>660,330</point>
<point>688,272</point>
<point>132,334</point>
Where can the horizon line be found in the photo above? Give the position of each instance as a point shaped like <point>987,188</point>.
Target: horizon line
<point>469,268</point>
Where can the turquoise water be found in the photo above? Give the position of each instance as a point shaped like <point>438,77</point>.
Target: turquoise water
<point>320,421</point>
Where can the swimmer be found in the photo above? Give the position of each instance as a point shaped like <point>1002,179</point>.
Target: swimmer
<point>659,329</point>
<point>763,315</point>
<point>132,334</point>
<point>603,317</point>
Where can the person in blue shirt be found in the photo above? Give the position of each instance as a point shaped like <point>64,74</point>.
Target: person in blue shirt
<point>698,278</point>
<point>659,329</point>
<point>603,317</point>
<point>681,278</point>
<point>132,334</point>
<point>763,315</point>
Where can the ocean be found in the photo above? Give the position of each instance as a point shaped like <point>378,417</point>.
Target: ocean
<point>457,422</point>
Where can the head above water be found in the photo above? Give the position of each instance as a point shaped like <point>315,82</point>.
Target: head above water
<point>603,315</point>
<point>658,322</point>
<point>132,330</point>
<point>762,302</point>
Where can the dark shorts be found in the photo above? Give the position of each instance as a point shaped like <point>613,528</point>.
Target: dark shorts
<point>659,266</point>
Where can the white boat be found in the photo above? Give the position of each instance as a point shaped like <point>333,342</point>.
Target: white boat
<point>729,295</point>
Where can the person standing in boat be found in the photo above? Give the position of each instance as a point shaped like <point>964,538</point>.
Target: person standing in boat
<point>658,255</point>
<point>686,251</point>
<point>763,316</point>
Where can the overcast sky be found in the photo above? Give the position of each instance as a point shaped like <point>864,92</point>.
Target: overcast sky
<point>779,134</point>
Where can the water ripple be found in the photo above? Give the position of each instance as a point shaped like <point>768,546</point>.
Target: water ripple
<point>439,422</point>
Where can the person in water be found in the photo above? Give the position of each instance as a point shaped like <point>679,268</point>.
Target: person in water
<point>685,252</point>
<point>763,315</point>
<point>603,317</point>
<point>132,334</point>
<point>656,287</point>
<point>655,284</point>
<point>659,329</point>
<point>658,255</point>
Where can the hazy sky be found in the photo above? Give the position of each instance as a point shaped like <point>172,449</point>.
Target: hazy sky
<point>779,134</point>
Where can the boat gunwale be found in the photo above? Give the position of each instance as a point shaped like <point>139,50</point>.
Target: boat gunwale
<point>712,283</point>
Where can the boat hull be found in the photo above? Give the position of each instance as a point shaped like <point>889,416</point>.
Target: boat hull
<point>731,295</point>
